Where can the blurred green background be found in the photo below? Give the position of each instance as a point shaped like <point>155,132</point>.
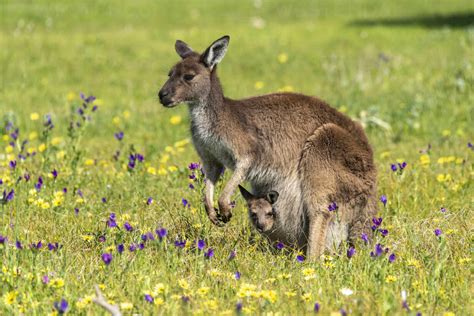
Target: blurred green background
<point>406,63</point>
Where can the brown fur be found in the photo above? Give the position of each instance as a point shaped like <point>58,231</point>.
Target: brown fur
<point>292,143</point>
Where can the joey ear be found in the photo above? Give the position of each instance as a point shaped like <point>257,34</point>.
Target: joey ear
<point>272,197</point>
<point>214,53</point>
<point>182,49</point>
<point>246,194</point>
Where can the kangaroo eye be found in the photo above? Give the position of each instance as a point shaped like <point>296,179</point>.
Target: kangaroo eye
<point>269,214</point>
<point>188,77</point>
<point>170,73</point>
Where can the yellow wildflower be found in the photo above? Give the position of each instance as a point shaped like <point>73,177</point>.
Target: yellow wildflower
<point>390,279</point>
<point>175,119</point>
<point>463,261</point>
<point>60,154</point>
<point>34,116</point>
<point>306,297</point>
<point>443,177</point>
<point>126,306</point>
<point>290,294</point>
<point>56,283</point>
<point>425,160</point>
<point>449,314</point>
<point>158,301</point>
<point>9,149</point>
<point>270,296</point>
<point>56,141</point>
<point>41,148</point>
<point>126,114</point>
<point>282,58</point>
<point>70,96</point>
<point>183,284</point>
<point>10,297</point>
<point>172,168</point>
<point>181,143</point>
<point>87,237</point>
<point>151,170</point>
<point>211,304</point>
<point>286,88</point>
<point>202,291</point>
<point>33,135</point>
<point>446,132</point>
<point>162,171</point>
<point>259,85</point>
<point>89,162</point>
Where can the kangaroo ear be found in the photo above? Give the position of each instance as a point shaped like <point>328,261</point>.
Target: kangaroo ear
<point>272,197</point>
<point>214,53</point>
<point>182,49</point>
<point>246,194</point>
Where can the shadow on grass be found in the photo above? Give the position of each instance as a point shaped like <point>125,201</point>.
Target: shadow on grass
<point>454,20</point>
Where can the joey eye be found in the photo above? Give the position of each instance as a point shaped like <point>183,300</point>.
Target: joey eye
<point>188,77</point>
<point>269,215</point>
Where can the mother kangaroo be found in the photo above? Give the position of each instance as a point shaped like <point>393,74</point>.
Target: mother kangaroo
<point>295,144</point>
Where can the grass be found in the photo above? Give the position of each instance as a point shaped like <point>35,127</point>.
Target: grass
<point>408,81</point>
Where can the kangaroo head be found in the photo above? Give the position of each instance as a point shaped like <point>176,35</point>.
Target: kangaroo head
<point>261,211</point>
<point>190,79</point>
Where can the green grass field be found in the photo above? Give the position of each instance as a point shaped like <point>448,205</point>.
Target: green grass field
<point>402,68</point>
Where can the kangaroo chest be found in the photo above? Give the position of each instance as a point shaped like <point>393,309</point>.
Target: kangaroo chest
<point>207,139</point>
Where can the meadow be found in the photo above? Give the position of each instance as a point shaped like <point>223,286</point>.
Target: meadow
<point>100,184</point>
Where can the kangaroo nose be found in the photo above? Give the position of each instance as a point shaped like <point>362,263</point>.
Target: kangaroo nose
<point>162,94</point>
<point>259,227</point>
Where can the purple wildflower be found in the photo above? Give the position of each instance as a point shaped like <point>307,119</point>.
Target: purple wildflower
<point>45,279</point>
<point>141,246</point>
<point>351,252</point>
<point>180,244</point>
<point>39,184</point>
<point>61,307</point>
<point>18,245</point>
<point>384,232</point>
<point>149,201</point>
<point>128,227</point>
<point>132,247</point>
<point>111,221</point>
<point>120,248</point>
<point>6,197</point>
<point>209,253</point>
<point>76,211</point>
<point>469,145</point>
<point>378,251</point>
<point>237,275</point>
<point>107,258</point>
<point>191,186</point>
<point>383,199</point>
<point>3,239</point>
<point>332,207</point>
<point>393,167</point>
<point>94,108</point>
<point>144,237</point>
<point>185,202</point>
<point>201,244</point>
<point>279,245</point>
<point>161,233</point>
<point>238,307</point>
<point>316,307</point>
<point>402,165</point>
<point>52,246</point>
<point>102,238</point>
<point>39,245</point>
<point>104,200</point>
<point>119,136</point>
<point>193,166</point>
<point>149,298</point>
<point>299,258</point>
<point>150,236</point>
<point>392,258</point>
<point>232,255</point>
<point>443,210</point>
<point>343,312</point>
<point>364,237</point>
<point>12,164</point>
<point>185,298</point>
<point>438,232</point>
<point>377,222</point>
<point>54,173</point>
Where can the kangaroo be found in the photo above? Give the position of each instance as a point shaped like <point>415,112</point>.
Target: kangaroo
<point>262,139</point>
